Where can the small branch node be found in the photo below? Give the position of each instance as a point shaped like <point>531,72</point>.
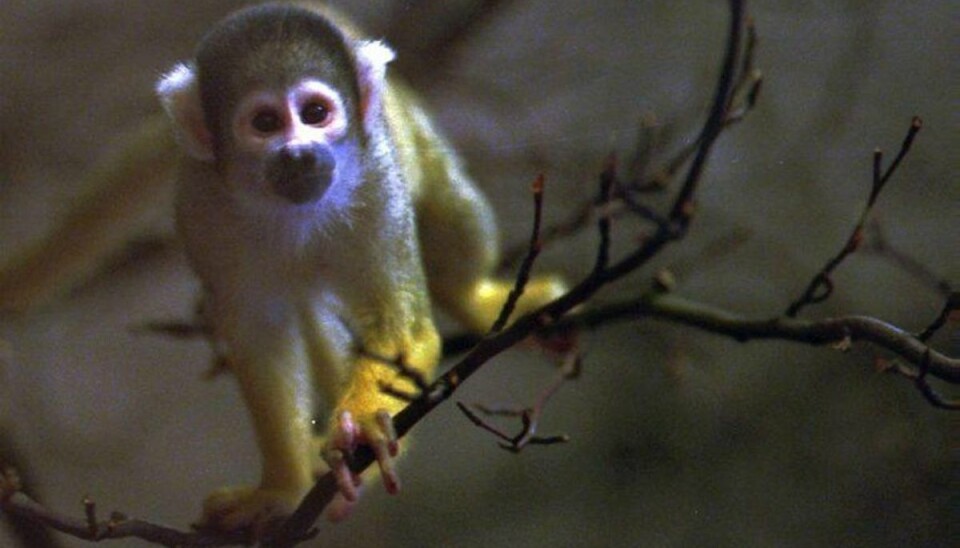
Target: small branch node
<point>90,513</point>
<point>843,345</point>
<point>949,310</point>
<point>116,520</point>
<point>932,396</point>
<point>664,281</point>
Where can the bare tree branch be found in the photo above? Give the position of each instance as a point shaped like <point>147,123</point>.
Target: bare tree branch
<point>740,101</point>
<point>90,528</point>
<point>22,528</point>
<point>570,368</point>
<point>820,332</point>
<point>823,332</point>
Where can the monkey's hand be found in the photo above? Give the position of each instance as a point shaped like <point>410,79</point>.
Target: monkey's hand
<point>363,416</point>
<point>363,413</point>
<point>349,431</point>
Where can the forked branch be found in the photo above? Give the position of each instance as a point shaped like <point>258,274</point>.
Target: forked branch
<point>821,286</point>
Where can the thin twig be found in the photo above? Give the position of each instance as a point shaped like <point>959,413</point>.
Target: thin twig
<point>607,181</point>
<point>919,375</point>
<point>932,396</point>
<point>529,416</point>
<point>649,140</point>
<point>480,423</point>
<point>821,286</point>
<point>741,98</point>
<point>952,305</point>
<point>533,250</point>
<point>716,121</point>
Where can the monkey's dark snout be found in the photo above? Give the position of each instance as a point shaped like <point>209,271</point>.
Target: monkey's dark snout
<point>301,174</point>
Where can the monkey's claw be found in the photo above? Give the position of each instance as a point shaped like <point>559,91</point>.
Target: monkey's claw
<point>375,431</point>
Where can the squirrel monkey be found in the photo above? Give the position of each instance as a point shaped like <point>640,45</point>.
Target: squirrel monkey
<point>323,213</point>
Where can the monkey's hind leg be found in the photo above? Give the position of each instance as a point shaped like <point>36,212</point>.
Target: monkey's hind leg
<point>458,238</point>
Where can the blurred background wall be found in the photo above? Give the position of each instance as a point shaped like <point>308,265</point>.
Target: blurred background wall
<point>678,438</point>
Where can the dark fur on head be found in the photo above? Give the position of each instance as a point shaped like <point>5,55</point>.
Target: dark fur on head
<point>271,46</point>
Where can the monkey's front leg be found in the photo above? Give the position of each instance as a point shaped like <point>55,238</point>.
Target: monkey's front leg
<point>363,414</point>
<point>269,366</point>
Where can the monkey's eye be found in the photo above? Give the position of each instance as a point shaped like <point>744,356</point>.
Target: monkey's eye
<point>315,114</point>
<point>266,121</point>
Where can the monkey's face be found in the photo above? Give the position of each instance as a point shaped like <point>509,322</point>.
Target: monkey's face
<point>289,144</point>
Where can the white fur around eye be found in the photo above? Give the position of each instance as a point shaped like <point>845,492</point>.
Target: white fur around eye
<point>254,104</point>
<point>315,91</point>
<point>288,105</point>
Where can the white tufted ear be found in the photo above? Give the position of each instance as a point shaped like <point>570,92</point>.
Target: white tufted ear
<point>372,59</point>
<point>180,96</point>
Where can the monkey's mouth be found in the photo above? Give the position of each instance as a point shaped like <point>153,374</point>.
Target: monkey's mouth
<point>301,175</point>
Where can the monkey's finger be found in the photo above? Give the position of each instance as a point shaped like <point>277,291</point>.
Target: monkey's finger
<point>385,421</point>
<point>346,482</point>
<point>345,435</point>
<point>388,468</point>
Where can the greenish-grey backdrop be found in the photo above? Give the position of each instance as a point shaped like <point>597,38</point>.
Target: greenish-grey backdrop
<point>678,438</point>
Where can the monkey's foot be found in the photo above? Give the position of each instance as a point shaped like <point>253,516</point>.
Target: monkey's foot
<point>253,509</point>
<point>349,433</point>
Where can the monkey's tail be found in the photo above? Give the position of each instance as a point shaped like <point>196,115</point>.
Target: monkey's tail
<point>119,195</point>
